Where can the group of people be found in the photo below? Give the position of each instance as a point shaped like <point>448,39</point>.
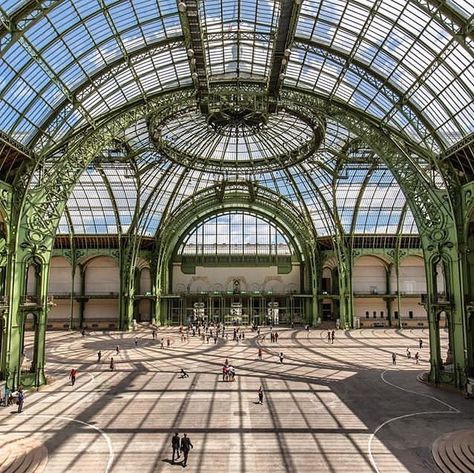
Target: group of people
<point>228,372</point>
<point>273,336</point>
<point>181,445</point>
<point>17,397</point>
<point>408,353</point>
<point>331,336</point>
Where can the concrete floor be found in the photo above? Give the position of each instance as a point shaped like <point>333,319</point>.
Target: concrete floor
<point>322,405</point>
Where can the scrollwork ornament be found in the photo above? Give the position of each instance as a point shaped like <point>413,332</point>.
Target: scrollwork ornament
<point>438,235</point>
<point>33,248</point>
<point>469,199</point>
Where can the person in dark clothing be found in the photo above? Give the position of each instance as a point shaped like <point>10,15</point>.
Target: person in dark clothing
<point>260,395</point>
<point>420,343</point>
<point>333,336</point>
<point>99,356</point>
<point>112,365</point>
<point>184,374</point>
<point>186,445</point>
<point>21,400</point>
<point>175,443</point>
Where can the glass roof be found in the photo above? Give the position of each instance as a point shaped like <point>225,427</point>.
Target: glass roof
<point>392,59</point>
<point>406,64</point>
<point>361,199</point>
<point>235,138</point>
<point>236,233</point>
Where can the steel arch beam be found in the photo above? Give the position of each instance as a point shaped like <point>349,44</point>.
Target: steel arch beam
<point>41,207</point>
<point>60,178</point>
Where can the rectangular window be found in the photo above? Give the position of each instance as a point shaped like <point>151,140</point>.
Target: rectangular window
<point>374,314</point>
<point>395,314</point>
<point>367,314</point>
<point>381,314</point>
<point>410,314</point>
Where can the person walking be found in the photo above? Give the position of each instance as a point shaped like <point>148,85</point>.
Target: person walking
<point>99,356</point>
<point>153,334</point>
<point>83,332</point>
<point>72,376</point>
<point>117,350</point>
<point>186,446</point>
<point>420,343</point>
<point>162,343</point>
<point>329,336</point>
<point>281,356</point>
<point>260,395</point>
<point>168,342</point>
<point>136,342</point>
<point>394,358</point>
<point>276,337</point>
<point>175,444</point>
<point>333,336</point>
<point>259,353</point>
<point>184,374</point>
<point>112,365</point>
<point>417,357</point>
<point>21,400</point>
<point>408,353</point>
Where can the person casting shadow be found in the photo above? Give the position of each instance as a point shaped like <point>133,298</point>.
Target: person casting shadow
<point>186,445</point>
<point>175,443</point>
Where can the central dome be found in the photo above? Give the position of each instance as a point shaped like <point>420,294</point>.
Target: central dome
<point>236,138</point>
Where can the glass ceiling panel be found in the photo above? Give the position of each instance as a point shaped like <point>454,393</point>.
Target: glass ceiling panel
<point>465,7</point>
<point>90,206</point>
<point>407,56</point>
<point>401,43</point>
<point>238,36</point>
<point>235,233</point>
<point>71,44</point>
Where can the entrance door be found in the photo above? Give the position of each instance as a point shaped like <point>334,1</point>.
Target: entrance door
<point>175,311</point>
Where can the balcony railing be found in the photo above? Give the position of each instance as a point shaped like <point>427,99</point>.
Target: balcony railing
<point>33,300</point>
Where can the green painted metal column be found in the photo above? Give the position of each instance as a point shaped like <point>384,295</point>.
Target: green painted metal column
<point>40,335</point>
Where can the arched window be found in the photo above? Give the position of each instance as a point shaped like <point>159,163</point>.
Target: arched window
<point>236,233</point>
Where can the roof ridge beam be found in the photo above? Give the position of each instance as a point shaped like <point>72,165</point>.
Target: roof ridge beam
<point>193,39</point>
<point>289,13</point>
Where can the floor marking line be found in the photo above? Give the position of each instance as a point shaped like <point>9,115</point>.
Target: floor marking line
<point>451,410</point>
<point>416,393</point>
<point>94,427</point>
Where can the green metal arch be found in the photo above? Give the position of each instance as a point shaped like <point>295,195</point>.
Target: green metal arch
<point>196,218</point>
<point>44,205</point>
<point>209,202</point>
<point>221,210</point>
